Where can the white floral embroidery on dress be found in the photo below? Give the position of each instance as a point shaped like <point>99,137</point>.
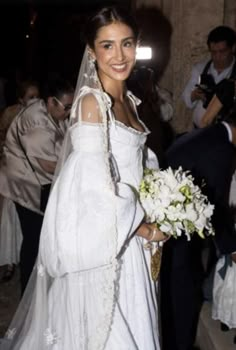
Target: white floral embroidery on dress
<point>10,333</point>
<point>41,270</point>
<point>51,338</point>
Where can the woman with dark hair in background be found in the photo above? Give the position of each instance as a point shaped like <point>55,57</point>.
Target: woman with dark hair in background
<point>27,90</point>
<point>10,231</point>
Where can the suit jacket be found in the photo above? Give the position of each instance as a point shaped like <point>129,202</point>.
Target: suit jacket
<point>209,155</point>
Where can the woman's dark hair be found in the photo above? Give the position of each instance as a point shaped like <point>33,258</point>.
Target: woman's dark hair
<point>56,87</point>
<point>106,16</point>
<point>23,86</point>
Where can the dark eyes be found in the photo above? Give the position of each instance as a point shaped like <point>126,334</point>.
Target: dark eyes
<point>128,43</point>
<point>107,46</point>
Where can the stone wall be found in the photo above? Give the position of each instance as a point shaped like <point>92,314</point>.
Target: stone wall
<point>230,13</point>
<point>190,21</point>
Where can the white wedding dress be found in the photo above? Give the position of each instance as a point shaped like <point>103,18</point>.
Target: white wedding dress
<point>76,247</point>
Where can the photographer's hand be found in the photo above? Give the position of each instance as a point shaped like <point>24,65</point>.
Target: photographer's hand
<point>151,233</point>
<point>211,112</point>
<point>198,94</point>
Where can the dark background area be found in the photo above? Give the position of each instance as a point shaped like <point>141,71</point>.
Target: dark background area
<point>40,38</point>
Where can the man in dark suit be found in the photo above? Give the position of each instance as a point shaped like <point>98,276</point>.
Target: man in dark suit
<point>209,154</point>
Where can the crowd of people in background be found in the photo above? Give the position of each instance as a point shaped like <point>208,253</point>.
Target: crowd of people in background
<point>32,132</point>
<point>32,135</point>
<point>210,93</point>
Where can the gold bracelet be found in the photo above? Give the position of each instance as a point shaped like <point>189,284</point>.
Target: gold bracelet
<point>153,235</point>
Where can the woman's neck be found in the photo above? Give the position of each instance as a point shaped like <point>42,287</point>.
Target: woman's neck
<point>117,93</point>
<point>116,89</point>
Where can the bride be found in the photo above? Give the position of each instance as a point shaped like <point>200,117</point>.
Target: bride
<point>91,287</point>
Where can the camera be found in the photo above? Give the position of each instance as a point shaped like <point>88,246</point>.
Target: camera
<point>207,85</point>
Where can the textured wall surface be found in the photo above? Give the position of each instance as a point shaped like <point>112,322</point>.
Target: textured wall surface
<point>191,22</point>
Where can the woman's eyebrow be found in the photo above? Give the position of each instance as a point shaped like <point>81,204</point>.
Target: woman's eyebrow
<point>112,41</point>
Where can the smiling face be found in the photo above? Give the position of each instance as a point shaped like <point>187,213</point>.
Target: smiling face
<point>115,51</point>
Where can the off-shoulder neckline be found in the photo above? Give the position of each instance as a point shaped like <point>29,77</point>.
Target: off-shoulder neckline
<point>119,123</point>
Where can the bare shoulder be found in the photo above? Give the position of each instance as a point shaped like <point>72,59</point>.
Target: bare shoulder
<point>90,110</point>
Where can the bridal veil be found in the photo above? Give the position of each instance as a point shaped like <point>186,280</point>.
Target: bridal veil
<point>63,236</point>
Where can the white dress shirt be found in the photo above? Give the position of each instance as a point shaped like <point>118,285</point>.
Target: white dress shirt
<point>198,109</point>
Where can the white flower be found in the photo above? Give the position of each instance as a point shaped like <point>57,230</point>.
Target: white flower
<point>191,213</point>
<point>175,213</point>
<point>178,228</point>
<point>166,227</point>
<point>208,210</point>
<point>172,201</point>
<point>159,214</point>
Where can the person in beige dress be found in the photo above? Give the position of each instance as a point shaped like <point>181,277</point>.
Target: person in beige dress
<point>30,155</point>
<point>27,90</point>
<point>10,231</point>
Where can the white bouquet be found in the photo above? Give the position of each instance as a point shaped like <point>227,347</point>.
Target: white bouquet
<point>172,201</point>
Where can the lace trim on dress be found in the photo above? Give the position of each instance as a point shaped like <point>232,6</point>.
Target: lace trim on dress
<point>40,270</point>
<point>10,333</point>
<point>131,129</point>
<point>111,276</point>
<point>50,337</point>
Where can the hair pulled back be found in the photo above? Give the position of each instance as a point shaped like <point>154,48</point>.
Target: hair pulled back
<point>106,16</point>
<point>23,87</point>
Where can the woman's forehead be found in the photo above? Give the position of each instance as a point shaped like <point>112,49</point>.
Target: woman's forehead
<point>114,31</point>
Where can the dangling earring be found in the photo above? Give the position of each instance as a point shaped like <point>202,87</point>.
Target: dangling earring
<point>92,66</point>
<point>93,69</point>
<point>92,59</point>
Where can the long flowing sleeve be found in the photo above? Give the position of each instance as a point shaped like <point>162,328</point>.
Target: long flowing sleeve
<point>80,230</point>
